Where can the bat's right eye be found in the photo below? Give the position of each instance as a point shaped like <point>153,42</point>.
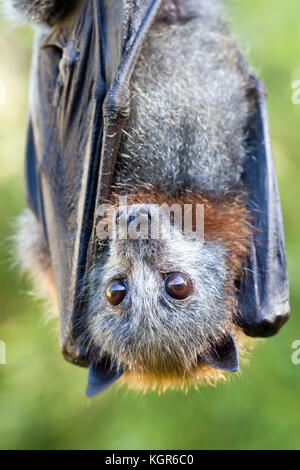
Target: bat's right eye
<point>116,291</point>
<point>178,285</point>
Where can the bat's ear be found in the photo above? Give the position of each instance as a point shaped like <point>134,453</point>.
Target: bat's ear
<point>223,356</point>
<point>101,376</point>
<point>40,11</point>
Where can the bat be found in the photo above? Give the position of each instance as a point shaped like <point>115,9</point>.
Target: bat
<point>151,101</point>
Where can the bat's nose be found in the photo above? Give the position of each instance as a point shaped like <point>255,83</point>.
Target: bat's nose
<point>134,221</point>
<point>142,214</point>
<point>126,215</point>
<point>130,218</point>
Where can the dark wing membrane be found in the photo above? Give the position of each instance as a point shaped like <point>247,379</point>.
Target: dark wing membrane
<point>80,78</point>
<point>68,89</point>
<point>264,292</point>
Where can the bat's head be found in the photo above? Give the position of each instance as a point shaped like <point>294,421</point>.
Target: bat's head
<point>161,300</point>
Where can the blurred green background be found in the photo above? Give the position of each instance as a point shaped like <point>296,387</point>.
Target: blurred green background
<point>42,400</point>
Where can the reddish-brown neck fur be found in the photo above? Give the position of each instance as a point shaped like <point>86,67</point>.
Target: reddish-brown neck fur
<point>226,219</point>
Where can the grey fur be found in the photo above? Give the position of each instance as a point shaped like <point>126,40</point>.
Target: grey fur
<point>40,11</point>
<point>188,110</point>
<point>32,252</point>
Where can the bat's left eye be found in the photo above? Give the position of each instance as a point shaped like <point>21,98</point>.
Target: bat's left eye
<point>178,285</point>
<point>116,291</point>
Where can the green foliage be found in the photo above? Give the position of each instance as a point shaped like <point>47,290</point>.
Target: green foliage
<point>42,401</point>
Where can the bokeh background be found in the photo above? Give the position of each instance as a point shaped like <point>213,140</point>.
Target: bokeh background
<point>42,400</point>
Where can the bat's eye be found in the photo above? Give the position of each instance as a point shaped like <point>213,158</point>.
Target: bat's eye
<point>116,291</point>
<point>178,285</point>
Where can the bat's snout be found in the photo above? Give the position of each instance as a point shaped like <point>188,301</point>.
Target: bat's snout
<point>137,213</point>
